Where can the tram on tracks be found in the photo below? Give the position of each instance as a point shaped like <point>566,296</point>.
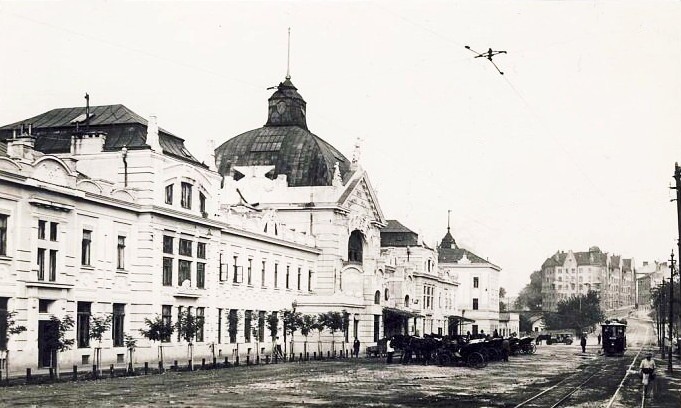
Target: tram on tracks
<point>614,334</point>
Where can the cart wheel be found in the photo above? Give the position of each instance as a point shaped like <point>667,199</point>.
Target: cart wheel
<point>476,360</point>
<point>444,359</point>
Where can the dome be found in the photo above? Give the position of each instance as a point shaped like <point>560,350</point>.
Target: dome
<point>285,143</point>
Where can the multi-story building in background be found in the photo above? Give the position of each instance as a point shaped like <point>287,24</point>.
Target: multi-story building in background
<point>649,276</point>
<point>570,274</point>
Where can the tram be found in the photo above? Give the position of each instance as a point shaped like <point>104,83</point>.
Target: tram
<point>614,337</point>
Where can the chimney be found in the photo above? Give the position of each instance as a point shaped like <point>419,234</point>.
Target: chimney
<point>22,147</point>
<point>88,143</point>
<point>152,135</point>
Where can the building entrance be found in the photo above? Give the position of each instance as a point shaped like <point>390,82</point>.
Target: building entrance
<point>47,330</point>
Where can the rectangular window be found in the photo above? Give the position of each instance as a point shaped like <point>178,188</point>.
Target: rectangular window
<point>247,326</point>
<point>85,248</point>
<point>53,231</point>
<point>238,271</point>
<point>262,275</point>
<point>41,229</point>
<point>201,250</point>
<point>169,194</point>
<point>53,265</point>
<point>83,324</point>
<point>299,277</point>
<point>276,273</point>
<point>250,267</point>
<point>232,325</point>
<point>3,323</point>
<point>377,327</point>
<point>186,200</point>
<point>40,260</point>
<point>120,253</point>
<point>3,234</point>
<point>167,271</point>
<point>202,204</point>
<point>428,292</point>
<point>475,303</point>
<point>200,321</point>
<point>261,326</point>
<point>288,270</point>
<point>219,326</point>
<point>222,270</point>
<point>200,275</point>
<point>44,305</point>
<point>309,281</point>
<point>476,282</point>
<point>167,244</point>
<point>185,247</point>
<point>184,271</point>
<point>117,324</point>
<point>166,316</point>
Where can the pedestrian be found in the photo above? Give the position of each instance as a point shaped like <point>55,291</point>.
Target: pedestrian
<point>505,349</point>
<point>278,351</point>
<point>496,334</point>
<point>583,343</point>
<point>647,368</point>
<point>468,335</point>
<point>389,351</point>
<point>355,347</point>
<point>599,338</point>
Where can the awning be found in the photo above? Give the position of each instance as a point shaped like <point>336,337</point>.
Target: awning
<point>461,319</point>
<point>403,313</point>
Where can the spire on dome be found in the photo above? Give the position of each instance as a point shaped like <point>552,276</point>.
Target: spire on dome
<point>448,240</point>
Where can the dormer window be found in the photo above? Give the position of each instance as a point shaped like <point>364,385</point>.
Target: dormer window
<point>186,200</point>
<point>202,203</point>
<point>169,194</point>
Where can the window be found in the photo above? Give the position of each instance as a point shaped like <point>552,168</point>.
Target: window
<point>200,320</point>
<point>186,200</point>
<point>250,267</point>
<point>261,326</point>
<point>288,269</point>
<point>201,250</point>
<point>53,265</point>
<point>219,326</point>
<point>179,316</point>
<point>387,295</point>
<point>184,271</point>
<point>200,275</point>
<point>83,324</point>
<point>185,247</point>
<point>53,231</point>
<point>262,275</point>
<point>355,247</point>
<point>377,297</point>
<point>41,229</point>
<point>85,248</point>
<point>117,324</point>
<point>44,305</point>
<point>233,321</point>
<point>41,264</point>
<point>475,303</point>
<point>476,282</point>
<point>166,316</point>
<point>169,194</point>
<point>406,301</point>
<point>276,273</point>
<point>236,270</point>
<point>377,325</point>
<point>247,326</point>
<point>120,253</point>
<point>222,270</point>
<point>3,234</point>
<point>167,244</point>
<point>167,271</point>
<point>299,277</point>
<point>202,204</point>
<point>3,323</point>
<point>309,281</point>
<point>428,293</point>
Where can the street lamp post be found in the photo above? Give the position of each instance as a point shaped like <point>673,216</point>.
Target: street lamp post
<point>671,311</point>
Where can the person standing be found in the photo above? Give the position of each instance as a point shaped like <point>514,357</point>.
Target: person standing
<point>355,347</point>
<point>505,349</point>
<point>389,351</point>
<point>278,350</point>
<point>647,368</point>
<point>583,343</point>
<point>599,338</point>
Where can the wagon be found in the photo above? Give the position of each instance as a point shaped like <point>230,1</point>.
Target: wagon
<point>456,351</point>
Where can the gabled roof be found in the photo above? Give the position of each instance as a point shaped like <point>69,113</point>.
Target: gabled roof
<point>395,226</point>
<point>454,255</point>
<point>123,127</point>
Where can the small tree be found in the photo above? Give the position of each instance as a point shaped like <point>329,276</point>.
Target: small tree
<point>272,321</point>
<point>187,326</point>
<point>131,345</point>
<point>320,325</point>
<point>346,326</point>
<point>334,322</point>
<point>307,324</point>
<point>255,330</point>
<point>98,326</point>
<point>292,321</point>
<point>11,328</point>
<point>158,331</point>
<point>55,337</point>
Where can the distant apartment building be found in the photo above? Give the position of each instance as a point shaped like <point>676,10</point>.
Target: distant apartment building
<point>570,274</point>
<point>649,276</point>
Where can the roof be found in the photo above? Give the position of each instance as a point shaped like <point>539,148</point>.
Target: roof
<point>394,234</point>
<point>395,226</point>
<point>3,149</point>
<point>123,127</point>
<point>285,143</point>
<point>593,257</point>
<point>454,255</point>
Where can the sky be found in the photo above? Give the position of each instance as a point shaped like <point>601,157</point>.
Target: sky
<point>574,146</point>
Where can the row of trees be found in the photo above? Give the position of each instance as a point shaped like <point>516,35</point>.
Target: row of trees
<point>660,310</point>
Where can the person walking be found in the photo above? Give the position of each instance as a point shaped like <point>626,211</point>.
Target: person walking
<point>647,368</point>
<point>278,350</point>
<point>355,347</point>
<point>505,349</point>
<point>583,343</point>
<point>599,339</point>
<point>389,351</point>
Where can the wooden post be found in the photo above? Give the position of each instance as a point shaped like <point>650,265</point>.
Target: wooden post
<point>226,362</point>
<point>94,371</point>
<point>203,363</point>
<point>51,370</point>
<point>28,375</point>
<point>146,368</point>
<point>75,373</point>
<point>111,371</point>
<point>215,362</point>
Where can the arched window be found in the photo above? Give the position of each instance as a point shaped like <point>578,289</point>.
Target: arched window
<point>387,295</point>
<point>377,297</point>
<point>406,301</point>
<point>355,246</point>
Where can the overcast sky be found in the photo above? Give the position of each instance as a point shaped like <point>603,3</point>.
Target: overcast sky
<point>574,146</point>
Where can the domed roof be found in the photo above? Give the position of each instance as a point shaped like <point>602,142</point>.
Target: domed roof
<point>285,143</point>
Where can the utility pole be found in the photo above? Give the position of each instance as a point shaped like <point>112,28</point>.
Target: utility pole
<point>671,311</point>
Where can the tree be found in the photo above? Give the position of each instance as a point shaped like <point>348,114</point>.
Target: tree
<point>158,331</point>
<point>319,325</point>
<point>55,337</point>
<point>308,324</point>
<point>131,345</point>
<point>529,297</point>
<point>11,328</point>
<point>98,326</point>
<point>272,321</point>
<point>502,296</point>
<point>334,322</point>
<point>187,326</point>
<point>255,330</point>
<point>292,321</point>
<point>576,313</point>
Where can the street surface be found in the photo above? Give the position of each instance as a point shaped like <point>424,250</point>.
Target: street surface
<point>370,382</point>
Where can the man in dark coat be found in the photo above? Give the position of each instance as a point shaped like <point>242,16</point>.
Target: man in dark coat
<point>583,343</point>
<point>355,347</point>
